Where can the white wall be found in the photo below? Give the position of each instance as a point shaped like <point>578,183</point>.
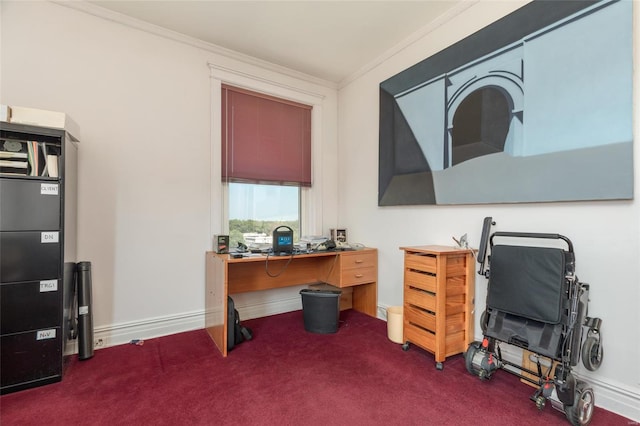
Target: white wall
<point>146,217</point>
<point>143,104</point>
<point>606,235</point>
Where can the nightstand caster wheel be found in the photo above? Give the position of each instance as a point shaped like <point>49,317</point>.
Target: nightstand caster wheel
<point>439,366</point>
<point>405,346</point>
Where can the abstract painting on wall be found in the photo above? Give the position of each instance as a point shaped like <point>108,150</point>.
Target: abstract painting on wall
<point>536,107</point>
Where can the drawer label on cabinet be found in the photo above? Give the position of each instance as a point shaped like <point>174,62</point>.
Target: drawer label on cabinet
<point>49,237</point>
<point>48,189</point>
<point>46,334</point>
<point>83,310</point>
<point>48,285</point>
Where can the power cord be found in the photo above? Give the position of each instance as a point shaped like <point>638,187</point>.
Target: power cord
<point>335,260</point>
<point>266,266</point>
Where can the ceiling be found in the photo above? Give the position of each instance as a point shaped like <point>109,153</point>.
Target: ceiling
<point>329,40</point>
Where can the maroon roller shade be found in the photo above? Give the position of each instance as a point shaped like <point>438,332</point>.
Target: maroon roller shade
<point>265,139</point>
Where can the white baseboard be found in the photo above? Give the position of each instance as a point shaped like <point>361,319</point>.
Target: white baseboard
<point>257,309</point>
<point>118,334</point>
<point>382,312</point>
<point>616,397</point>
<point>610,395</point>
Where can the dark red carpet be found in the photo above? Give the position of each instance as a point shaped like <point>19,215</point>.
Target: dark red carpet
<point>285,376</point>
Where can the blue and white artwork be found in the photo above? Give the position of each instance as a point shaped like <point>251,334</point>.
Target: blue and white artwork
<point>536,107</point>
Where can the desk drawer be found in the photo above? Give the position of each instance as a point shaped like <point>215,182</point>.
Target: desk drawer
<point>358,276</point>
<point>358,259</point>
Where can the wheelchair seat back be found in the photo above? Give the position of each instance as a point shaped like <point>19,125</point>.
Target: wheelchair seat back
<point>528,282</point>
<point>527,297</point>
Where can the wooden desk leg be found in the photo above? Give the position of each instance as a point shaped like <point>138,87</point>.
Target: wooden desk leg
<point>215,321</point>
<point>365,298</point>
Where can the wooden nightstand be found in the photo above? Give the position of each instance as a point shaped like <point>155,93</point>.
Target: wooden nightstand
<point>439,289</point>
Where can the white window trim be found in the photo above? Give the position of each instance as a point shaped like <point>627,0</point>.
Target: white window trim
<point>310,198</point>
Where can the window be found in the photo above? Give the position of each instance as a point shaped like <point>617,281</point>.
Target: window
<point>266,161</point>
<point>255,210</point>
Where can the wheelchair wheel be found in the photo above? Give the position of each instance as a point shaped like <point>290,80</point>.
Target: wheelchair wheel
<point>580,413</point>
<point>468,357</point>
<point>592,353</point>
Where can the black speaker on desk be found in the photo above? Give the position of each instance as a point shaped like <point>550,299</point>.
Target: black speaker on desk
<point>282,240</point>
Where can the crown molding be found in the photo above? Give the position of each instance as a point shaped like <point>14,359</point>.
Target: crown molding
<point>460,7</point>
<point>138,24</point>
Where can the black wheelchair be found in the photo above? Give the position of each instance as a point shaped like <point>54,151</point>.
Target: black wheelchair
<point>536,302</point>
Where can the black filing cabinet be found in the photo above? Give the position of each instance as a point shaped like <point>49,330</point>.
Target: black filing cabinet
<point>37,253</point>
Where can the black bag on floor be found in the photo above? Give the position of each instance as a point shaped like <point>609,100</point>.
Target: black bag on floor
<point>236,333</point>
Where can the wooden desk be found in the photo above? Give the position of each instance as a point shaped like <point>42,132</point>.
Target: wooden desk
<point>224,276</point>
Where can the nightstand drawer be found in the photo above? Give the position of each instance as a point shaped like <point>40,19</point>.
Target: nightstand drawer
<point>422,299</point>
<point>421,318</point>
<point>425,339</point>
<point>421,262</point>
<point>420,280</point>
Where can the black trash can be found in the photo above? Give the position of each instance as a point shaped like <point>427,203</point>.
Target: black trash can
<point>321,310</point>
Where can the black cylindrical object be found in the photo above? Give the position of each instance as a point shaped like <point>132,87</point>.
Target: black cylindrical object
<point>85,311</point>
<point>321,310</point>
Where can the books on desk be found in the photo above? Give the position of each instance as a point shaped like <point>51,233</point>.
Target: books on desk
<point>238,255</point>
<point>314,240</point>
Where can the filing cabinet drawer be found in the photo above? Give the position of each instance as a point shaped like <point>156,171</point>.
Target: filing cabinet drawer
<point>29,306</point>
<point>32,355</point>
<point>25,257</point>
<point>29,205</point>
